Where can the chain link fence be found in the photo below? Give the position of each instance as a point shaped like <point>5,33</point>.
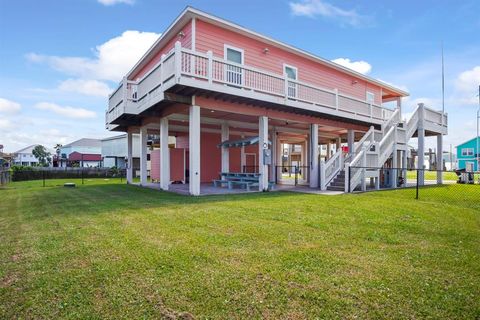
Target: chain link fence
<point>418,182</point>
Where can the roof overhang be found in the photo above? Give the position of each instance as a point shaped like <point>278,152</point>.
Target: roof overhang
<point>189,13</point>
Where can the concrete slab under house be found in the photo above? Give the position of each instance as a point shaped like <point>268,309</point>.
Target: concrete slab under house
<point>294,120</point>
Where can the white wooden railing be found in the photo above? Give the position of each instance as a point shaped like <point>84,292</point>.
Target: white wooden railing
<point>330,169</point>
<point>183,62</point>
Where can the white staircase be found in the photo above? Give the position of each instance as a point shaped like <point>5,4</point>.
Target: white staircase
<point>376,147</point>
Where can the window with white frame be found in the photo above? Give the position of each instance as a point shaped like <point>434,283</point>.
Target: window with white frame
<point>370,97</point>
<point>291,73</point>
<point>467,152</point>
<point>234,73</point>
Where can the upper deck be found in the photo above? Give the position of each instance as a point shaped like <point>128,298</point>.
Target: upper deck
<point>185,68</point>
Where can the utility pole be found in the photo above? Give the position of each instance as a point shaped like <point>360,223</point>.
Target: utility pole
<point>478,138</point>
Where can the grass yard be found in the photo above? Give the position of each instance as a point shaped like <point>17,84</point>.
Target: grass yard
<point>114,251</point>
<point>432,175</point>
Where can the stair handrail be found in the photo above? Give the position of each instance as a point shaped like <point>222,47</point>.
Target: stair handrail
<point>384,146</point>
<point>367,135</point>
<point>412,124</point>
<point>333,166</point>
<point>390,122</point>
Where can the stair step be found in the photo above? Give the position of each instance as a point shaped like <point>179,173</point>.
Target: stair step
<point>334,188</point>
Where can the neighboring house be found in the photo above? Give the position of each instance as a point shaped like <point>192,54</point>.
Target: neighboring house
<point>114,151</point>
<point>25,157</point>
<point>71,154</point>
<point>231,97</point>
<point>467,154</point>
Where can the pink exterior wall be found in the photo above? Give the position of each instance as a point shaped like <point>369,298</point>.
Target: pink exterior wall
<point>211,37</point>
<point>210,155</point>
<point>186,42</point>
<point>177,169</point>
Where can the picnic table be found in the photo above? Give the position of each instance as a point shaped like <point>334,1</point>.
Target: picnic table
<point>242,179</point>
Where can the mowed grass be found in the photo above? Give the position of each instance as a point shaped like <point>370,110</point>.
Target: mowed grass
<point>112,251</point>
<point>432,175</point>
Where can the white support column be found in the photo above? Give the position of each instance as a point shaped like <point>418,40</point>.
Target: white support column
<point>273,139</point>
<point>439,159</point>
<point>421,144</point>
<point>194,148</point>
<point>164,155</point>
<point>225,151</point>
<point>262,145</point>
<point>129,158</point>
<point>394,161</point>
<point>404,167</point>
<point>351,141</point>
<point>314,156</point>
<point>143,156</point>
<point>338,144</point>
<point>329,150</point>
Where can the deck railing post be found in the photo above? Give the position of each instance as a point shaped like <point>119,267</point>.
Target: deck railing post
<point>286,86</point>
<point>322,175</point>
<point>364,164</point>
<point>210,66</point>
<point>336,98</point>
<point>178,60</point>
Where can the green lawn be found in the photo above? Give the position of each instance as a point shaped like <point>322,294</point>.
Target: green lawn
<point>432,175</point>
<point>114,251</point>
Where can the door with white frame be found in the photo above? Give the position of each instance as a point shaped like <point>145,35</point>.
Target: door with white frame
<point>234,71</point>
<point>292,74</point>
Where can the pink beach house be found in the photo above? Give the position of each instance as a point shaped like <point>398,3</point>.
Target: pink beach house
<point>233,98</point>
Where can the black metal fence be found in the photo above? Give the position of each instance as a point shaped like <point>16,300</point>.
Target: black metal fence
<point>417,181</point>
<point>51,177</point>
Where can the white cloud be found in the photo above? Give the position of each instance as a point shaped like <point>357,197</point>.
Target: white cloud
<point>362,67</point>
<point>6,124</point>
<point>112,59</point>
<point>466,84</point>
<point>66,111</point>
<point>313,8</point>
<point>113,2</point>
<point>8,106</point>
<point>86,87</point>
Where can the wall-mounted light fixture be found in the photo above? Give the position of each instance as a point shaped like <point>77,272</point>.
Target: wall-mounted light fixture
<point>266,50</point>
<point>181,34</point>
<point>354,81</point>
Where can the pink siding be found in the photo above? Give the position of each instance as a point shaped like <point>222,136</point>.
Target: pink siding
<point>210,155</point>
<point>176,164</point>
<point>186,42</point>
<point>211,37</point>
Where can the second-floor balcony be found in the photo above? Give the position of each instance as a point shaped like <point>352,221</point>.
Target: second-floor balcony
<point>206,72</point>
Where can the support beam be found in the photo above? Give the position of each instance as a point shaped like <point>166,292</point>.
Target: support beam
<point>394,161</point>
<point>338,144</point>
<point>273,139</point>
<point>262,145</point>
<point>329,150</point>
<point>440,159</point>
<point>351,141</point>
<point>421,144</point>
<point>164,155</point>
<point>194,150</point>
<point>225,150</point>
<point>143,155</point>
<point>129,157</point>
<point>314,156</point>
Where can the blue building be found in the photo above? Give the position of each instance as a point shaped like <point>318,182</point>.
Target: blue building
<point>467,154</point>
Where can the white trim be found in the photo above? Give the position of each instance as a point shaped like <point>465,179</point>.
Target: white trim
<point>227,46</point>
<point>291,67</point>
<point>190,12</point>
<point>366,97</point>
<point>194,33</point>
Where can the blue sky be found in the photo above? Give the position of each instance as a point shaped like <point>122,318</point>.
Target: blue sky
<point>59,59</point>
